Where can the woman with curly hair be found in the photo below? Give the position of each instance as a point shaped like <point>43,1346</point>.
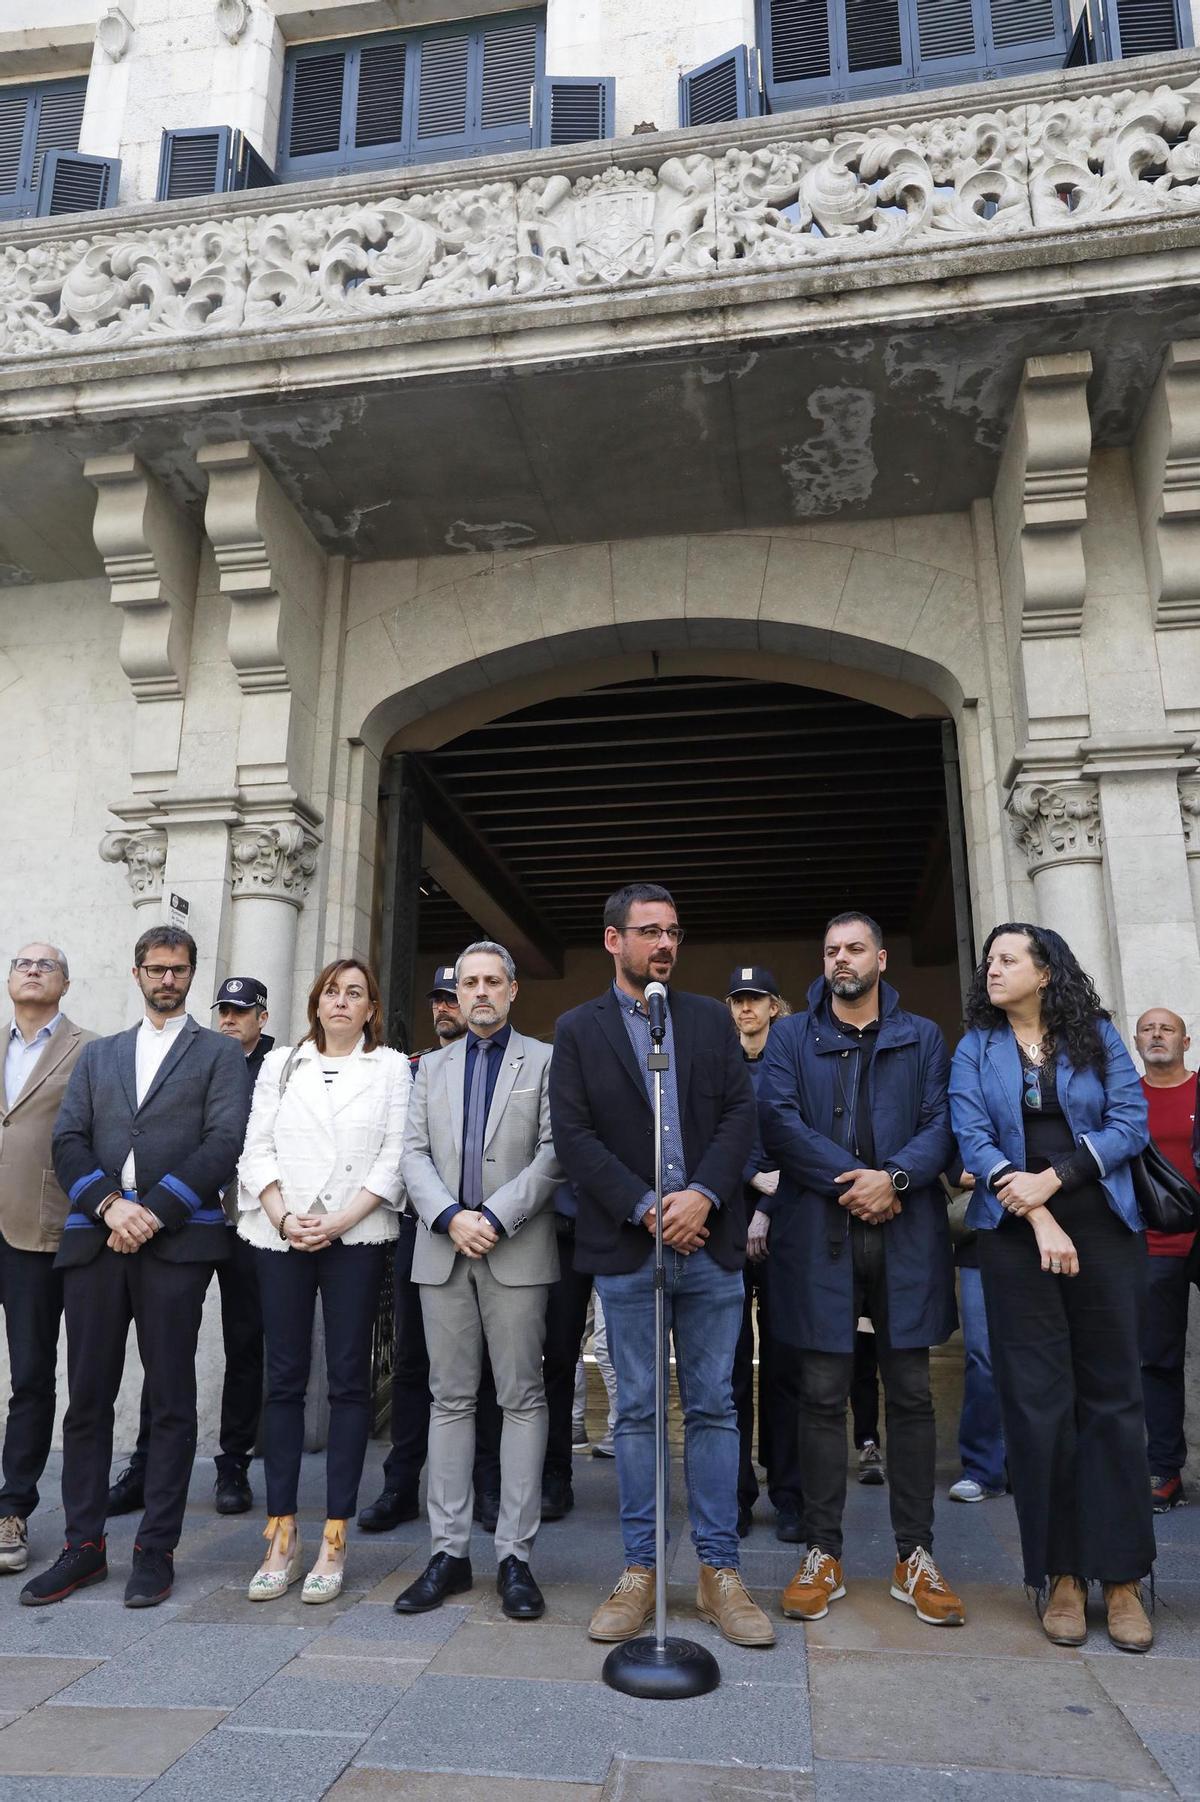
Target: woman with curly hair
<point>1048,1111</point>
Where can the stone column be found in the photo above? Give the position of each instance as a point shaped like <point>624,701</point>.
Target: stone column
<point>1189,810</point>
<point>1056,823</point>
<point>272,865</point>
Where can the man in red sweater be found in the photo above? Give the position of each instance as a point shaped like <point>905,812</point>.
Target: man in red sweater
<point>1170,1087</point>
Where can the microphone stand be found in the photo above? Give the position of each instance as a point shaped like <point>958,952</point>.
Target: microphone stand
<point>661,1669</point>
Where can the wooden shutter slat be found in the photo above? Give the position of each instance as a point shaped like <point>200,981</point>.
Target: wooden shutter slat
<point>442,90</point>
<point>945,28</point>
<point>873,38</point>
<point>509,71</point>
<point>1025,22</point>
<point>799,40</point>
<point>1147,27</point>
<point>193,164</point>
<point>60,115</point>
<point>712,92</point>
<point>316,121</point>
<point>379,113</point>
<point>14,111</point>
<point>74,183</point>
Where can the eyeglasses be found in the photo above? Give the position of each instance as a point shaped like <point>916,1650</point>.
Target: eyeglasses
<point>156,972</point>
<point>23,965</point>
<point>650,935</point>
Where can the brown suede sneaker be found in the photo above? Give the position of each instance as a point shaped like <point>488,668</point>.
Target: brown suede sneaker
<point>817,1583</point>
<point>1128,1623</point>
<point>1064,1618</point>
<point>628,1608</point>
<point>918,1581</point>
<point>722,1599</point>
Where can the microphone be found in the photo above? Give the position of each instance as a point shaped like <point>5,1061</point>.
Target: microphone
<point>656,1007</point>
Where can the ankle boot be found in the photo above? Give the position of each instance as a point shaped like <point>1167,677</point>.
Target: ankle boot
<point>1064,1620</point>
<point>1128,1623</point>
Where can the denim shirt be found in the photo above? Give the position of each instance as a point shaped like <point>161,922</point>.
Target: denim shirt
<point>637,1025</point>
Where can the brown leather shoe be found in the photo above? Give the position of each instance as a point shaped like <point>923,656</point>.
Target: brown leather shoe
<point>628,1608</point>
<point>1128,1623</point>
<point>817,1583</point>
<point>1064,1618</point>
<point>722,1598</point>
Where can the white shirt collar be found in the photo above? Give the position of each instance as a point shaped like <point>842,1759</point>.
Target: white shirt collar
<point>167,1027</point>
<point>43,1032</point>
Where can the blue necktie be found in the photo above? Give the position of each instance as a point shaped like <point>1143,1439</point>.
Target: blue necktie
<point>472,1186</point>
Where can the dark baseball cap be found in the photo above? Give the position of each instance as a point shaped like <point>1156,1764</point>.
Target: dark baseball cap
<point>443,982</point>
<point>752,979</point>
<point>241,991</point>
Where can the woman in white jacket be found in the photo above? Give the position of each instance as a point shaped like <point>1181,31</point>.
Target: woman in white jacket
<point>320,1187</point>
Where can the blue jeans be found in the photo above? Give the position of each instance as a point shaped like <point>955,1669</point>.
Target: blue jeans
<point>704,1311</point>
<point>980,1431</point>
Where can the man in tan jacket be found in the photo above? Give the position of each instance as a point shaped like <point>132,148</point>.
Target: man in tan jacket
<point>41,1047</point>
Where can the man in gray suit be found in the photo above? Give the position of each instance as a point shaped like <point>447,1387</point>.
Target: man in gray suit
<point>480,1170</point>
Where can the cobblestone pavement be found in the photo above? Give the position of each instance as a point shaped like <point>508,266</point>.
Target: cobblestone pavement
<point>211,1698</point>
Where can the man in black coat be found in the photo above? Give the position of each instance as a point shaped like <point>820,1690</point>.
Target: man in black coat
<point>601,1109</point>
<point>148,1135</point>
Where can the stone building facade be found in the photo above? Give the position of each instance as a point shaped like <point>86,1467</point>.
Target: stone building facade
<point>896,397</point>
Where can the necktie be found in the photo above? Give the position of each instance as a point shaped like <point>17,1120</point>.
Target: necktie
<point>472,1187</point>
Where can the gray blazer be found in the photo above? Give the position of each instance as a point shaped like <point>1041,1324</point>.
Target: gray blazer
<point>520,1170</point>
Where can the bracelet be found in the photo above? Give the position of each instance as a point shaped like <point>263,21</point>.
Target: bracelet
<point>285,1216</point>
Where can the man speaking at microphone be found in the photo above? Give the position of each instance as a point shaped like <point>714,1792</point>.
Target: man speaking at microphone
<point>602,1118</point>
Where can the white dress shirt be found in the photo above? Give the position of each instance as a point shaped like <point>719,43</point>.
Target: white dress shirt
<point>21,1055</point>
<point>153,1045</point>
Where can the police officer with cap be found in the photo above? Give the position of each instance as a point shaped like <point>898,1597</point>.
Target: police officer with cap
<point>411,1399</point>
<point>241,1010</point>
<point>754,1002</point>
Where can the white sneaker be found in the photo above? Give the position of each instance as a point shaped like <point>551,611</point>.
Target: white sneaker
<point>14,1543</point>
<point>968,1490</point>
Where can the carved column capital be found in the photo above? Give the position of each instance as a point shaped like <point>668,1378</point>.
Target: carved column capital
<point>1057,823</point>
<point>275,860</point>
<point>1189,813</point>
<point>143,851</point>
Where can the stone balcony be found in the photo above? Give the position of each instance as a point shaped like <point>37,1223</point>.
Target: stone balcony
<point>912,253</point>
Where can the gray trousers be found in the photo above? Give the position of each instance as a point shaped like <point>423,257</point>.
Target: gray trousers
<point>460,1314</point>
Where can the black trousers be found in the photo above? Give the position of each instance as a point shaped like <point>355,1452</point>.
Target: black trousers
<point>1065,1360</point>
<point>411,1400</point>
<point>825,1383</point>
<point>348,1279</point>
<point>33,1304</point>
<point>864,1391</point>
<point>165,1302</point>
<point>242,1389</point>
<point>1164,1341</point>
<point>566,1321</point>
<point>778,1403</point>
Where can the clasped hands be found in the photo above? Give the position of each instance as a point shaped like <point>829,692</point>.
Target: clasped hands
<point>313,1232</point>
<point>472,1233</point>
<point>130,1225</point>
<point>869,1196</point>
<point>684,1214</point>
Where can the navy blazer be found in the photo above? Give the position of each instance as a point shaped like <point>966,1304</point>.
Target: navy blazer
<point>603,1126</point>
<point>1105,1110</point>
<point>187,1136</point>
<point>800,1101</point>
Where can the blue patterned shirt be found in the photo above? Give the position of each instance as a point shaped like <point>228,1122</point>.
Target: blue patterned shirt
<point>637,1025</point>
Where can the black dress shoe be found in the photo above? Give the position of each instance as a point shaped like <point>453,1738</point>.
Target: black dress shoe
<point>558,1498</point>
<point>443,1576</point>
<point>520,1597</point>
<point>487,1511</point>
<point>128,1492</point>
<point>151,1580</point>
<point>789,1528</point>
<point>745,1520</point>
<point>388,1510</point>
<point>232,1493</point>
<point>76,1567</point>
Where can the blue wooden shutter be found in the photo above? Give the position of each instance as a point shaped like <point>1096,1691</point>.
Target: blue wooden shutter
<point>510,64</point>
<point>1082,49</point>
<point>248,168</point>
<point>71,182</point>
<point>1020,29</point>
<point>1144,27</point>
<point>873,40</point>
<point>16,127</point>
<point>574,109</point>
<point>443,94</point>
<point>312,134</point>
<point>382,71</point>
<point>799,45</point>
<point>946,31</point>
<point>59,117</point>
<point>194,162</point>
<point>725,88</point>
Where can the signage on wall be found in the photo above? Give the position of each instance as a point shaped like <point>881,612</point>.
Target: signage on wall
<point>178,911</point>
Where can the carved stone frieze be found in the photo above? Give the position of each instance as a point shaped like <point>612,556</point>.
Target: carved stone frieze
<point>1057,824</point>
<point>806,198</point>
<point>143,851</point>
<point>277,860</point>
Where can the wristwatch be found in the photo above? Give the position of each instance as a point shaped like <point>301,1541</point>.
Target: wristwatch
<point>900,1180</point>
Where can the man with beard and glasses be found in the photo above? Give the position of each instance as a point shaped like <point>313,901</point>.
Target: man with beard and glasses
<point>854,1108</point>
<point>148,1136</point>
<point>601,1102</point>
<point>1169,1086</point>
<point>398,1501</point>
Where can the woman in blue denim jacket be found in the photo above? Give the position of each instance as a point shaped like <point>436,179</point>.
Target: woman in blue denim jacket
<point>1048,1110</point>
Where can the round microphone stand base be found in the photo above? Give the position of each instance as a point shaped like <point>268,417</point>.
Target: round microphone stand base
<point>669,1672</point>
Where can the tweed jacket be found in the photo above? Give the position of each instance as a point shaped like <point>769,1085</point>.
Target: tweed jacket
<point>185,1137</point>
<point>323,1144</point>
<point>32,1204</point>
<point>520,1170</point>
